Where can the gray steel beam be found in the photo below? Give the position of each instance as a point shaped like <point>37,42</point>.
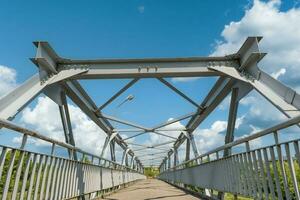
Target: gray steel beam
<point>83,101</point>
<point>187,150</point>
<point>132,68</point>
<point>124,156</point>
<point>247,55</point>
<point>123,122</point>
<point>194,146</point>
<point>174,120</point>
<point>219,91</point>
<point>107,142</point>
<point>282,97</point>
<point>16,100</point>
<point>176,161</point>
<point>127,86</point>
<point>149,68</point>
<point>112,151</point>
<point>165,135</point>
<point>136,135</point>
<point>66,123</point>
<point>169,85</point>
<point>234,102</point>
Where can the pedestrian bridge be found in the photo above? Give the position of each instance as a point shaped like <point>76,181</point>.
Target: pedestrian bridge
<point>268,171</point>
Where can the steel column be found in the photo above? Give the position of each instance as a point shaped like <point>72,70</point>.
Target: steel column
<point>234,102</point>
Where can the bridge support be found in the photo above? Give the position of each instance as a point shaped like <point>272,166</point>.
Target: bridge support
<point>66,123</point>
<point>109,141</point>
<point>124,157</point>
<point>234,102</point>
<point>175,153</point>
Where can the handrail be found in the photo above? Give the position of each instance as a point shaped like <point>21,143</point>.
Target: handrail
<point>12,126</point>
<point>280,126</point>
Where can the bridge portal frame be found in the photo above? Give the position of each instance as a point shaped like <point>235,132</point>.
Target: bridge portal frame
<point>238,74</point>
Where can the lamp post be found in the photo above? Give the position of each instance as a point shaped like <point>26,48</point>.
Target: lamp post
<point>128,98</point>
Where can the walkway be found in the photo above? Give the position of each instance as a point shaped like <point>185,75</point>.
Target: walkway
<point>150,189</point>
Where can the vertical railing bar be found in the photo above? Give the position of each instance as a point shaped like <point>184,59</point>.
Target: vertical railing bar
<point>50,177</point>
<point>45,174</point>
<point>37,182</point>
<point>249,167</point>
<point>275,171</point>
<point>2,160</point>
<point>59,178</point>
<point>270,180</point>
<point>32,175</point>
<point>252,174</point>
<point>24,140</point>
<point>86,177</point>
<point>89,168</point>
<point>64,179</point>
<point>8,174</point>
<point>242,175</point>
<point>75,190</point>
<point>292,170</point>
<point>231,185</point>
<point>257,178</point>
<point>297,152</point>
<point>54,179</point>
<point>246,175</point>
<point>225,177</point>
<point>25,176</point>
<point>282,170</point>
<point>236,172</point>
<point>263,174</point>
<point>70,180</point>
<point>52,149</point>
<point>18,175</point>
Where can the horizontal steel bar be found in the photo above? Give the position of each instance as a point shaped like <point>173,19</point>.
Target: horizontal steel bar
<point>12,126</point>
<point>148,68</point>
<point>280,126</point>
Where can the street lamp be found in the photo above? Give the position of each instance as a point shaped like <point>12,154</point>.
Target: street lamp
<point>128,98</point>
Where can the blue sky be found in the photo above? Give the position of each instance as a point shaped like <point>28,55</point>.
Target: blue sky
<point>136,29</point>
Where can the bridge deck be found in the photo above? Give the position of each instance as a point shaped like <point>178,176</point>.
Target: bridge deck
<point>150,189</point>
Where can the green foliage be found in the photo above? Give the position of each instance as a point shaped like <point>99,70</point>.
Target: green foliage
<point>151,172</point>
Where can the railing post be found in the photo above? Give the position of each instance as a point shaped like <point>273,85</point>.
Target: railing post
<point>187,150</point>
<point>24,140</point>
<point>124,156</point>
<point>52,149</point>
<point>175,157</point>
<point>112,150</point>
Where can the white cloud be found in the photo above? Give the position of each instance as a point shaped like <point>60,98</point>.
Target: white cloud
<point>261,109</point>
<point>281,41</point>
<point>7,80</point>
<point>210,138</point>
<point>45,118</point>
<point>256,143</point>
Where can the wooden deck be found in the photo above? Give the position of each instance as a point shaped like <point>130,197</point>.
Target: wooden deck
<point>150,189</point>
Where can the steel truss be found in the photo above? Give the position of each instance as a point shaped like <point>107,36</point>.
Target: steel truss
<point>237,73</point>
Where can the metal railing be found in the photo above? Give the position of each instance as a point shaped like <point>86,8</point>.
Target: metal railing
<point>270,172</point>
<point>30,175</point>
